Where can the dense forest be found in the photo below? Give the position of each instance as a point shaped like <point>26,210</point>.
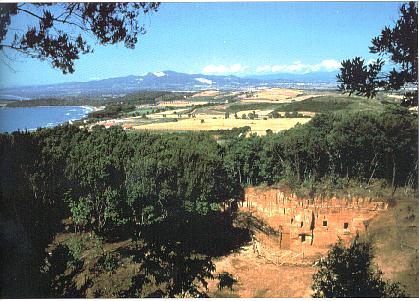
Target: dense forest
<point>360,145</point>
<point>167,191</point>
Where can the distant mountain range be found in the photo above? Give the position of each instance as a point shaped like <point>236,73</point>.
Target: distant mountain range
<point>314,77</point>
<point>167,81</point>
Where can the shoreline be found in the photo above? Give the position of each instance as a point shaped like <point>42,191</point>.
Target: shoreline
<point>91,108</point>
<point>83,113</point>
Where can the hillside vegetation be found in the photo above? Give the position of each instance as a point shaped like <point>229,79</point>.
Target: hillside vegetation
<point>139,98</point>
<point>107,213</point>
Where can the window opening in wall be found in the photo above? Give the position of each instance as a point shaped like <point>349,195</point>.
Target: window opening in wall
<point>303,237</point>
<point>302,224</point>
<point>345,226</point>
<point>324,223</point>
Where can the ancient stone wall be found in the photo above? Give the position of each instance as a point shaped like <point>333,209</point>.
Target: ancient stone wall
<point>311,226</point>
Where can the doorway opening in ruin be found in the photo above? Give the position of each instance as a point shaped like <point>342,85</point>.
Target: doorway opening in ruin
<point>345,226</point>
<point>303,237</point>
<point>324,223</point>
<point>302,224</point>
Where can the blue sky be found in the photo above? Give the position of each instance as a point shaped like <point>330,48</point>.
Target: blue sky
<point>227,38</point>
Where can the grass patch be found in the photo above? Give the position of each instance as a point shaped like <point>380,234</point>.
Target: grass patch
<point>225,293</point>
<point>317,104</point>
<point>260,293</point>
<point>396,242</point>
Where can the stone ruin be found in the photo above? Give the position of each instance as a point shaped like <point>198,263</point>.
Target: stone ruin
<point>310,226</point>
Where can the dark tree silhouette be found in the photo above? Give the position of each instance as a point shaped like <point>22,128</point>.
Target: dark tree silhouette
<point>348,273</point>
<point>398,44</point>
<point>60,33</point>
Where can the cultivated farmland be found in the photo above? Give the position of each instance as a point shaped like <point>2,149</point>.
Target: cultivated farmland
<point>273,109</point>
<point>258,126</point>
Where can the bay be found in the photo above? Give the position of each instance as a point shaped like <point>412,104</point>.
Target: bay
<point>31,118</point>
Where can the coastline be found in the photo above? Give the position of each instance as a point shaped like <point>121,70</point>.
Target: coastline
<point>93,108</point>
<point>11,114</point>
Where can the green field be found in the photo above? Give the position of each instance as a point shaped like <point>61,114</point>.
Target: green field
<point>319,104</point>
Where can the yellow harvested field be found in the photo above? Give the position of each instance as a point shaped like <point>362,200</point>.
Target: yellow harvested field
<point>284,100</point>
<point>275,94</point>
<point>207,93</point>
<point>194,124</point>
<point>209,116</point>
<point>181,103</point>
<point>171,114</point>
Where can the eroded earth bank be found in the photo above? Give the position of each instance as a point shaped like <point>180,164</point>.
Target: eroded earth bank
<point>289,233</point>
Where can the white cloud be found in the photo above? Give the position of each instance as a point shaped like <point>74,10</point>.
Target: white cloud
<point>265,68</point>
<point>204,80</point>
<point>299,67</point>
<point>235,68</point>
<point>330,65</point>
<point>159,74</point>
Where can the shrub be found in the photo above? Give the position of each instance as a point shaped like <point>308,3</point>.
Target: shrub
<point>226,280</point>
<point>108,261</point>
<point>75,247</point>
<point>275,115</point>
<point>348,273</point>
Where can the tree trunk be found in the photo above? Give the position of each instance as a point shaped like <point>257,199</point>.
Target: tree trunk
<point>373,171</point>
<point>297,164</point>
<point>394,171</point>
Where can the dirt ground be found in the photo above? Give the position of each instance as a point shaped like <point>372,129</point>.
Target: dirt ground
<point>258,278</point>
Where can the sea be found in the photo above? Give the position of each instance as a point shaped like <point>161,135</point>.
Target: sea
<point>31,118</point>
